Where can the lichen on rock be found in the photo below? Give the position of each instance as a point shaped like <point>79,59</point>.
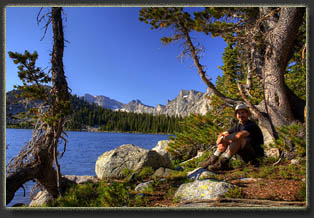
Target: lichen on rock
<point>202,190</point>
<point>112,163</point>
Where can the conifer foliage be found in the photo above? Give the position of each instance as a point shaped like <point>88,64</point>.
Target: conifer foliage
<point>262,62</point>
<point>33,77</point>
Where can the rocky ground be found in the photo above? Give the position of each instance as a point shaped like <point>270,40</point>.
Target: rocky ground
<point>255,192</point>
<point>260,193</point>
<point>187,185</point>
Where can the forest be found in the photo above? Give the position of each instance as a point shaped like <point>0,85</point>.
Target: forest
<point>83,115</point>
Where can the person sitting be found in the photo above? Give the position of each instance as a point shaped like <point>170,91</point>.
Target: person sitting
<point>244,139</point>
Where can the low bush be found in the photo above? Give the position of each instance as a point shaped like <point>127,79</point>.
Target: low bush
<point>235,192</point>
<point>292,138</point>
<point>102,194</point>
<point>145,173</point>
<point>77,196</point>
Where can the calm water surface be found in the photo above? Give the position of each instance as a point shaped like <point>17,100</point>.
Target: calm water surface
<point>82,151</point>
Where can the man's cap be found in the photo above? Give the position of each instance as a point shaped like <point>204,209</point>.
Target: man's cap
<point>242,106</point>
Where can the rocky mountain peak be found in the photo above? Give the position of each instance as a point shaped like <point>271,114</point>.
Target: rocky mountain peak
<point>137,101</point>
<point>103,101</point>
<point>187,102</point>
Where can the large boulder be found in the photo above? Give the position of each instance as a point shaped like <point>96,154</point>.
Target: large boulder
<point>112,163</point>
<point>40,199</point>
<point>202,190</point>
<point>161,148</point>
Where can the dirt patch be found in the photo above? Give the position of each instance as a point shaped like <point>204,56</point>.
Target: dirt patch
<point>271,189</point>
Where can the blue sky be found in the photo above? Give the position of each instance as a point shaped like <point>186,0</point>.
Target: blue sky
<point>111,53</point>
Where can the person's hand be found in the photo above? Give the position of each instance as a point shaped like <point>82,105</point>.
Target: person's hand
<point>221,147</point>
<point>220,139</point>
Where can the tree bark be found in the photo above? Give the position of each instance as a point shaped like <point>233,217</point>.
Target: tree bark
<point>15,180</point>
<point>41,168</point>
<point>281,105</point>
<point>280,44</point>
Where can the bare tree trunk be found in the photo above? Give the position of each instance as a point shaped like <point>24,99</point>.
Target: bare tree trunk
<point>44,147</point>
<point>280,43</point>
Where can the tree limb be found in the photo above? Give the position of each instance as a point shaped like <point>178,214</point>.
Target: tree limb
<point>202,73</point>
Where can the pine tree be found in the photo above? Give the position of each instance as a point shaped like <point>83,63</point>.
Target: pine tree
<point>227,83</point>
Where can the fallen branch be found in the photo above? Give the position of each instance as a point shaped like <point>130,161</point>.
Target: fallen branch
<point>231,202</point>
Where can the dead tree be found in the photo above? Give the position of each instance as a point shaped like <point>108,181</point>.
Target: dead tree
<point>38,160</point>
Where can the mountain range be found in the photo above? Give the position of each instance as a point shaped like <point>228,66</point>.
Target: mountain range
<point>187,102</point>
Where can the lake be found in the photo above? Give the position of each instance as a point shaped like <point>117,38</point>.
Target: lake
<point>82,151</point>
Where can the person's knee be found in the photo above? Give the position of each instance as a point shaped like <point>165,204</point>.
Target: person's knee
<point>235,146</point>
<point>239,143</point>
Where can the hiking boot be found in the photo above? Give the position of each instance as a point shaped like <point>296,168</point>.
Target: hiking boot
<point>222,164</point>
<point>211,160</point>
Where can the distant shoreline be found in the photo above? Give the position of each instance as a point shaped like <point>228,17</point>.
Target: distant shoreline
<point>86,130</point>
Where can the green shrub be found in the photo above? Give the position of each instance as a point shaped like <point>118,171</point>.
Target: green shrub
<point>127,172</point>
<point>145,173</point>
<point>192,164</point>
<point>77,196</point>
<point>235,192</point>
<point>198,131</point>
<point>138,201</point>
<point>176,199</point>
<point>178,175</point>
<point>113,195</point>
<point>102,194</point>
<point>292,135</point>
